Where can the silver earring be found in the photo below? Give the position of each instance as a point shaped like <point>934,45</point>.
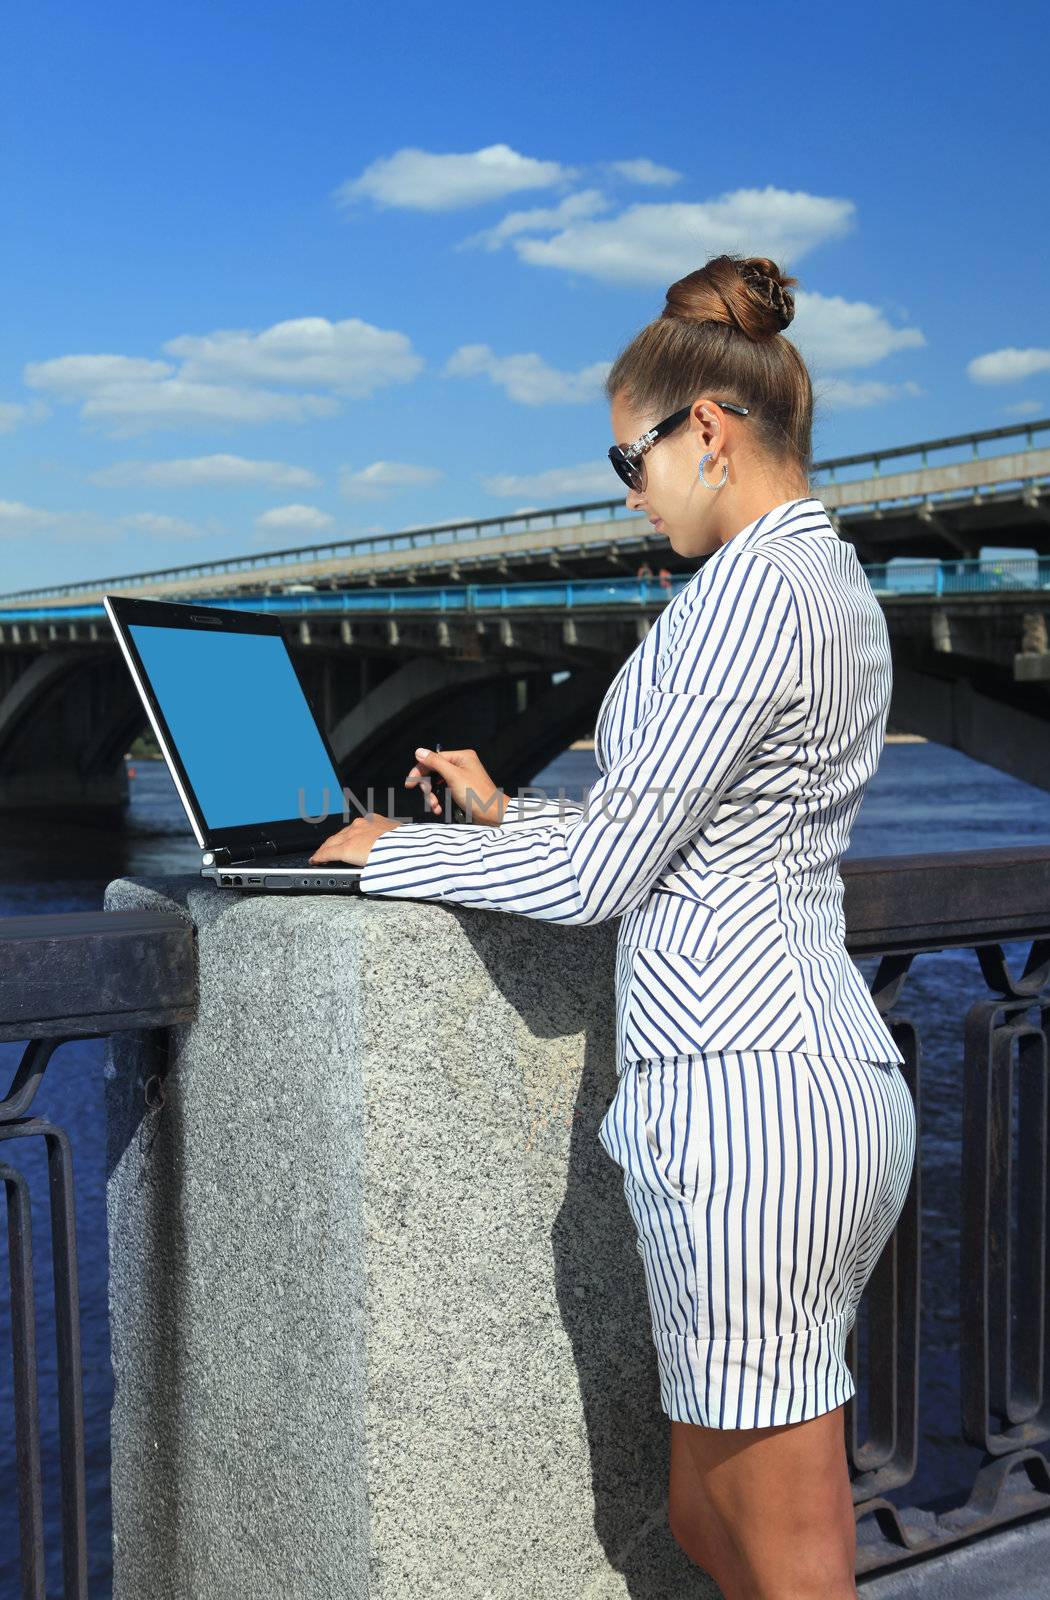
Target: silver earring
<point>725,472</point>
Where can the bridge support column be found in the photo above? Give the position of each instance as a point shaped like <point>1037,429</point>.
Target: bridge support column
<point>1008,735</point>
<point>65,722</point>
<point>379,1324</point>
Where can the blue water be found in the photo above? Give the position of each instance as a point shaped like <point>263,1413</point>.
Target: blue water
<point>922,798</point>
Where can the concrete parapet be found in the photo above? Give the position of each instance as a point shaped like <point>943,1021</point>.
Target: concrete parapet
<point>379,1324</point>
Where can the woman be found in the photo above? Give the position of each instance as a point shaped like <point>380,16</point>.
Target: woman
<point>764,1127</point>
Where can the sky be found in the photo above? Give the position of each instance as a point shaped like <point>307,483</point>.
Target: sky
<point>276,274</point>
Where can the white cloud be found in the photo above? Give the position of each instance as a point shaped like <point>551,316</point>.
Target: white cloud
<point>295,519</point>
<point>222,378</point>
<point>213,472</point>
<point>74,377</point>
<point>20,521</point>
<point>421,180</point>
<point>540,219</point>
<point>17,520</point>
<point>836,333</point>
<point>159,526</point>
<point>1008,366</point>
<point>351,357</point>
<point>644,171</point>
<point>1025,408</point>
<point>384,478</point>
<point>127,405</point>
<point>653,244</point>
<point>527,377</point>
<point>591,480</point>
<point>840,394</point>
<point>128,409</point>
<point>14,413</point>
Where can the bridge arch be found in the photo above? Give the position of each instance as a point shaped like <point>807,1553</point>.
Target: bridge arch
<point>61,723</point>
<point>516,719</point>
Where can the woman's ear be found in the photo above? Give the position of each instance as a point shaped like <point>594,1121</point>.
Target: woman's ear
<point>706,424</point>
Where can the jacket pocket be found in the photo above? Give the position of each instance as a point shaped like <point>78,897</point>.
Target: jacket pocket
<point>676,924</point>
<point>665,1151</point>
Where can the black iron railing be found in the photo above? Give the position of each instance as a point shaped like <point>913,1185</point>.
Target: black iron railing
<point>82,975</point>
<point>92,974</point>
<point>897,907</point>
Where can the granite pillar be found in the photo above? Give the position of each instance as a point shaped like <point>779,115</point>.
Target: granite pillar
<point>379,1323</point>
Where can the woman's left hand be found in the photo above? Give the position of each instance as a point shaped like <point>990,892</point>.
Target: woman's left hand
<point>352,843</point>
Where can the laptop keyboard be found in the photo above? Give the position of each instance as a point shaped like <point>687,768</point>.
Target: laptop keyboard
<point>293,859</point>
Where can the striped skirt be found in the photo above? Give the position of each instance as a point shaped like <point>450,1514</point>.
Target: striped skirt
<point>763,1186</point>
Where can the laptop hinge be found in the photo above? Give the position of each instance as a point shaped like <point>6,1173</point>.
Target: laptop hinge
<point>220,855</point>
<point>265,847</point>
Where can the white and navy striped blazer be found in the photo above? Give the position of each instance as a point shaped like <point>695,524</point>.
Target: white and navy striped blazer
<point>734,744</point>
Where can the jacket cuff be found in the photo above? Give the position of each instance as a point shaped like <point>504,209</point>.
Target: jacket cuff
<point>415,841</point>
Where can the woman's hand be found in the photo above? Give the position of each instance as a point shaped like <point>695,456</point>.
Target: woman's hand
<point>352,843</point>
<point>462,772</point>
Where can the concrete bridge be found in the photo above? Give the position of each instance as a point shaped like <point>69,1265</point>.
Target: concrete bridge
<point>503,633</point>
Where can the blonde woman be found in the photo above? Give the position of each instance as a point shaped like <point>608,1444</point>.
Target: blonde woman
<point>765,1130</point>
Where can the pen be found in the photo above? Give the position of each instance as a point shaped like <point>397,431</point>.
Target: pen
<point>436,779</point>
<point>443,816</point>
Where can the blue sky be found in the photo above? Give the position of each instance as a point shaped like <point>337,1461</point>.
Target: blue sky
<point>275,274</point>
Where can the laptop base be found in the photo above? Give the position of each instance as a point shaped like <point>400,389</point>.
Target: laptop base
<point>341,879</point>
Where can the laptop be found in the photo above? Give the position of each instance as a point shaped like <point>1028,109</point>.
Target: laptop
<point>247,754</point>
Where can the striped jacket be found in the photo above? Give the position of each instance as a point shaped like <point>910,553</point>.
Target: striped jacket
<point>734,745</point>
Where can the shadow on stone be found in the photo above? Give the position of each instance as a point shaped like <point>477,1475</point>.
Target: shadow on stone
<point>380,1323</point>
<point>598,1277</point>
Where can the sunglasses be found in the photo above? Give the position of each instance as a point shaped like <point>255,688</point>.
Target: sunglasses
<point>629,463</point>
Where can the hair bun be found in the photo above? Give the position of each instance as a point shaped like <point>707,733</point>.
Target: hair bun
<point>749,293</point>
<point>764,279</point>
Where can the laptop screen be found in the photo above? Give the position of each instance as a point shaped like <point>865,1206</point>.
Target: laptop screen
<point>241,724</point>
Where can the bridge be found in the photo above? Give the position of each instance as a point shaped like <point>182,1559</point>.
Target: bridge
<point>503,633</point>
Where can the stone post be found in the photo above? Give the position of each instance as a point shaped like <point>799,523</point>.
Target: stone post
<point>379,1324</point>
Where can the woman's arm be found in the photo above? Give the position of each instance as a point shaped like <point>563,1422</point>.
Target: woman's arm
<point>521,810</point>
<point>732,669</point>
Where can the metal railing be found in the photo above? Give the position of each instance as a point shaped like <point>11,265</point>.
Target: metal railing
<point>898,907</point>
<point>979,575</point>
<point>905,576</point>
<point>433,535</point>
<point>91,974</point>
<point>63,976</point>
<point>873,459</point>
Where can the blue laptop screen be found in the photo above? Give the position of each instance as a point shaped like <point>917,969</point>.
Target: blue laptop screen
<point>241,725</point>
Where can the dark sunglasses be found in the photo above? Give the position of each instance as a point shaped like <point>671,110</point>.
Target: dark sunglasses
<point>629,464</point>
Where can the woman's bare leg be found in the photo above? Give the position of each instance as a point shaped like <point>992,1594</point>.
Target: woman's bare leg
<point>696,1524</point>
<point>782,1501</point>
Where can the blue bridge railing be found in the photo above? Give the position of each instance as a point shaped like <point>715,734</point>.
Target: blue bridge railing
<point>902,576</point>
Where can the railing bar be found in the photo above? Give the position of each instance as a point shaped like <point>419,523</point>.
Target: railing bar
<point>27,1078</point>
<point>70,1371</point>
<point>27,1400</point>
<point>1023,574</point>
